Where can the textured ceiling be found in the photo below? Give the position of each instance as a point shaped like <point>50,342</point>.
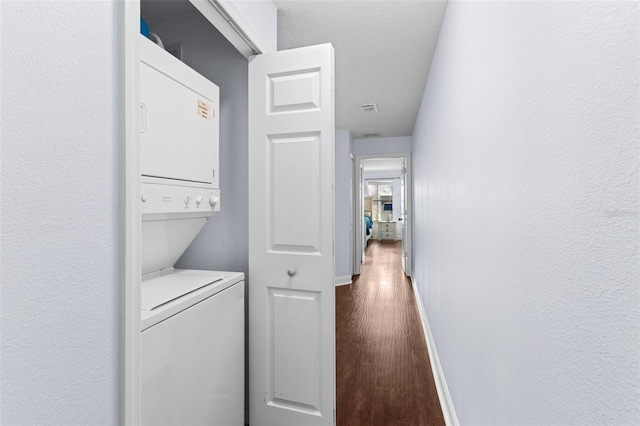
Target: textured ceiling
<point>383,51</point>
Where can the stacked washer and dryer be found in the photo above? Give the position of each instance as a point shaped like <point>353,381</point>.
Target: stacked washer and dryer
<point>192,358</point>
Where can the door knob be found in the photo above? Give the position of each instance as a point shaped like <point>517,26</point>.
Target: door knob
<point>291,272</point>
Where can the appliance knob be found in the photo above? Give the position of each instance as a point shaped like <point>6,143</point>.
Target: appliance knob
<point>198,200</point>
<point>187,199</point>
<point>213,200</point>
<point>144,198</point>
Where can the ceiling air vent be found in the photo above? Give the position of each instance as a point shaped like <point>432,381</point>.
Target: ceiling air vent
<point>371,134</point>
<point>369,107</point>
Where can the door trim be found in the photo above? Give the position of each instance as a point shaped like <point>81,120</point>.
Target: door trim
<point>352,215</point>
<point>358,203</point>
<point>250,37</point>
<point>132,226</point>
<point>226,18</point>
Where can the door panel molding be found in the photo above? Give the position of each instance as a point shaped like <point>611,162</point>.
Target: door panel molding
<point>293,170</point>
<point>295,370</point>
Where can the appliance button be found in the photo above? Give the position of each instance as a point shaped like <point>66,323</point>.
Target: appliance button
<point>198,200</point>
<point>187,199</point>
<point>144,198</point>
<point>213,199</point>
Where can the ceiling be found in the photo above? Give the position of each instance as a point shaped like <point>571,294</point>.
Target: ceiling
<point>383,51</point>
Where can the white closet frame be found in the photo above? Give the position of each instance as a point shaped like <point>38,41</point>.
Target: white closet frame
<point>227,19</point>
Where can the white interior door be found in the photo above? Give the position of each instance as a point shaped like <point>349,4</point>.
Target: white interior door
<point>363,232</point>
<point>406,237</point>
<point>291,229</point>
<point>351,219</point>
<point>403,215</point>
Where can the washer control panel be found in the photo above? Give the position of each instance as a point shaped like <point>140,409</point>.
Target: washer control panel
<point>178,199</point>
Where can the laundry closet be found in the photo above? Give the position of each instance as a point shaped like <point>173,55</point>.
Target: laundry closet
<point>246,209</point>
<point>193,139</point>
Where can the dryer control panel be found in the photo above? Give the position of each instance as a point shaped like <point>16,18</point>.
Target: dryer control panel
<point>178,199</point>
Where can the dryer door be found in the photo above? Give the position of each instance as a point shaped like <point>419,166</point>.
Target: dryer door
<point>179,119</point>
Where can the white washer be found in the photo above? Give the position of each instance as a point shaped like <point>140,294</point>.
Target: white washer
<point>193,348</point>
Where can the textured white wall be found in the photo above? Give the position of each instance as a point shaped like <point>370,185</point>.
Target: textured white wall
<point>374,146</point>
<point>343,256</point>
<point>61,184</point>
<point>526,166</point>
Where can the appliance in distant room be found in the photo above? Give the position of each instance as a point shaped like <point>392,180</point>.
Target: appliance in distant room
<point>192,350</point>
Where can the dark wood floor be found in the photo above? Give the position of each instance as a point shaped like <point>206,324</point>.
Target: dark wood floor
<point>383,371</point>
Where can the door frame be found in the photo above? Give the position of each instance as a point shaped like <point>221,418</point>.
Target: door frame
<point>352,216</point>
<point>358,236</point>
<point>356,254</point>
<point>225,17</point>
<point>131,231</point>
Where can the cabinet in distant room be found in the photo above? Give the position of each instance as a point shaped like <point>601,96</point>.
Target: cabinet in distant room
<point>387,231</point>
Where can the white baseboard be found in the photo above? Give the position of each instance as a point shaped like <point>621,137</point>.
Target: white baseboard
<point>448,411</point>
<point>343,280</point>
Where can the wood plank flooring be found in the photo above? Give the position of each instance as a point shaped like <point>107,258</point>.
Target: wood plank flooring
<point>382,365</point>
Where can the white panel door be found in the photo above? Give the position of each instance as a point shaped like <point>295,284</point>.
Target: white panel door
<point>363,228</point>
<point>291,229</point>
<point>406,212</point>
<point>403,216</point>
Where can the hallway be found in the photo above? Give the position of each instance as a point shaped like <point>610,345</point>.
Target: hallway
<point>382,365</point>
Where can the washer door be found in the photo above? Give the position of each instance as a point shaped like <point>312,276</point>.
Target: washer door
<point>193,364</point>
